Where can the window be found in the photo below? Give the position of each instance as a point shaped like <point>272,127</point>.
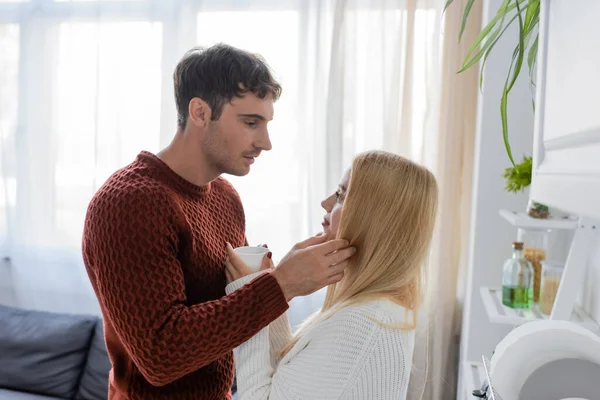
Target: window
<point>88,84</point>
<point>271,193</point>
<point>9,98</point>
<point>90,1</point>
<point>108,108</point>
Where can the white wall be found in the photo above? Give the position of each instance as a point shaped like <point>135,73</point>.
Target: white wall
<point>491,237</point>
<point>591,291</point>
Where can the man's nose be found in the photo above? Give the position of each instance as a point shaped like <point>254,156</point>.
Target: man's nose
<point>264,142</point>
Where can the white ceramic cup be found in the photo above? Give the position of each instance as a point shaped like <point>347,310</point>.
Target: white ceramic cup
<point>252,256</point>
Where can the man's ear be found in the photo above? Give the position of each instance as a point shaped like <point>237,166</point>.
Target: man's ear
<point>199,112</point>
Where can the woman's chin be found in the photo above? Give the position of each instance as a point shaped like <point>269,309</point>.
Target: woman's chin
<point>328,234</point>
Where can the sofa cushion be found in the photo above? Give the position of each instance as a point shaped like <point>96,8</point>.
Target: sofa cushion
<point>94,382</point>
<point>6,394</point>
<point>43,352</point>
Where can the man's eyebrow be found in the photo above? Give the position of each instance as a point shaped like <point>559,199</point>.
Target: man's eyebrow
<point>257,116</point>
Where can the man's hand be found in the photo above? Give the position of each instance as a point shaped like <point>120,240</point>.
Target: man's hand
<point>312,265</point>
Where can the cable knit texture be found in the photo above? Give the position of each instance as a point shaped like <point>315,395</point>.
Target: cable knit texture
<point>349,356</point>
<point>154,249</point>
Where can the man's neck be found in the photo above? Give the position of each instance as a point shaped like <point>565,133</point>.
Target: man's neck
<point>186,159</point>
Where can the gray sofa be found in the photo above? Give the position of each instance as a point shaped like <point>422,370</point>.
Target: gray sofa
<point>52,356</point>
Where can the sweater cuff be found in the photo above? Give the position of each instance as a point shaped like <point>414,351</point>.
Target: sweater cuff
<point>272,297</point>
<point>266,286</point>
<point>238,283</point>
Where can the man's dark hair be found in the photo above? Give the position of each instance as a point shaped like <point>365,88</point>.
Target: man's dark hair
<point>218,74</point>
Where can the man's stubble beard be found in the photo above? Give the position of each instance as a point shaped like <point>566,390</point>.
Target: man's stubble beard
<point>216,153</point>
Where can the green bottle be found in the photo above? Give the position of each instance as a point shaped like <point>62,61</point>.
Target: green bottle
<point>517,280</point>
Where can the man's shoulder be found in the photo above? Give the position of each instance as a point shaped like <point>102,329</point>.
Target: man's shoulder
<point>128,188</point>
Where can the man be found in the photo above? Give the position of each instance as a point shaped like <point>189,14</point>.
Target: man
<point>156,232</point>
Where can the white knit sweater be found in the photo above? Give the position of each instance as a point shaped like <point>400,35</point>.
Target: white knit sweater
<point>349,356</point>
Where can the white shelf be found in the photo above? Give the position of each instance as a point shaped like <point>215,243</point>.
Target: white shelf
<point>522,220</point>
<point>474,374</point>
<point>500,314</point>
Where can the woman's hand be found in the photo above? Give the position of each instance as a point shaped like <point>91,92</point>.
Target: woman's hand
<point>235,268</point>
<point>267,261</point>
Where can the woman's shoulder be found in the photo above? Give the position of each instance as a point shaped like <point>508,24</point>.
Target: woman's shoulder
<point>354,333</point>
<point>364,320</point>
<point>357,331</point>
<point>380,310</point>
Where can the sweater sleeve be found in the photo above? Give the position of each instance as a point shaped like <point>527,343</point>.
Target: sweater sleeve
<point>280,334</point>
<point>348,356</point>
<point>131,245</point>
<point>280,331</point>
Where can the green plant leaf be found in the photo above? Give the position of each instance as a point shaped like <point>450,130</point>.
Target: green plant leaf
<point>504,9</point>
<point>465,17</point>
<point>489,50</point>
<point>520,50</point>
<point>518,177</point>
<point>504,118</point>
<point>504,105</point>
<point>489,44</point>
<point>504,102</point>
<point>535,19</point>
<point>530,29</point>
<point>533,8</point>
<point>512,63</point>
<point>532,58</point>
<point>527,13</point>
<point>447,5</point>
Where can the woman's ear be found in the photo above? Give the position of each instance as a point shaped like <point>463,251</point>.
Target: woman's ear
<point>199,112</point>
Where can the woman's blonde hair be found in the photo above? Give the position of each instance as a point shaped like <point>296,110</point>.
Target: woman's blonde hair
<point>389,214</point>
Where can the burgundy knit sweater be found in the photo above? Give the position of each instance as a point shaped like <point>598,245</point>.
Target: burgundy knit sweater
<point>154,248</point>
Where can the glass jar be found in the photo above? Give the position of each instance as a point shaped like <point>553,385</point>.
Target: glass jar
<point>535,242</point>
<point>537,210</point>
<point>551,275</point>
<point>517,280</point>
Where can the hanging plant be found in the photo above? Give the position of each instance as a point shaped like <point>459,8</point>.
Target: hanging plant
<point>519,176</point>
<point>527,15</point>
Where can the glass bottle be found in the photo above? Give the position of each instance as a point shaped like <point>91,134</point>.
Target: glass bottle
<point>535,243</point>
<point>517,280</point>
<point>551,276</point>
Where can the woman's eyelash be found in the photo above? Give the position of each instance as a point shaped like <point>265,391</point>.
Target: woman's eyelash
<point>337,194</point>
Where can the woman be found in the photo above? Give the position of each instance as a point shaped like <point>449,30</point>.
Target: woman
<point>360,344</point>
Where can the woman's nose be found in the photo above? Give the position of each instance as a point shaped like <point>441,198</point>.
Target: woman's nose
<point>327,204</point>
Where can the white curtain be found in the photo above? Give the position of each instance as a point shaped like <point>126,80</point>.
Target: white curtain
<point>356,75</point>
<point>85,85</point>
<point>435,369</point>
<point>83,96</point>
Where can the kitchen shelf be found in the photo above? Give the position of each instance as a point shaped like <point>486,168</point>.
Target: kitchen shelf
<point>522,220</point>
<point>474,376</point>
<point>500,314</point>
